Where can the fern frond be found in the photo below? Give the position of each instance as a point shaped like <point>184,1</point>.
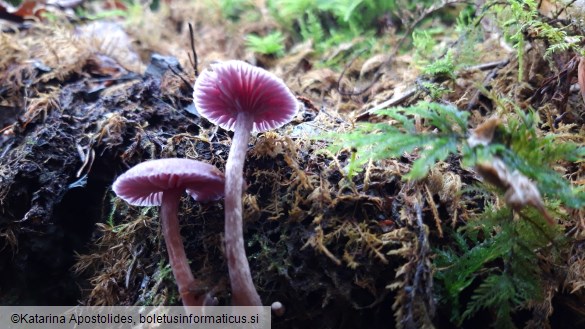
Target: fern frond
<point>377,141</point>
<point>436,150</point>
<point>271,44</point>
<point>495,292</point>
<point>534,156</point>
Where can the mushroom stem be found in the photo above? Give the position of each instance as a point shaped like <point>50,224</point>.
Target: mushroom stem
<point>177,257</point>
<point>243,291</point>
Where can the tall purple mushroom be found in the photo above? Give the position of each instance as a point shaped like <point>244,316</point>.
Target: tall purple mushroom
<point>162,182</point>
<point>240,97</point>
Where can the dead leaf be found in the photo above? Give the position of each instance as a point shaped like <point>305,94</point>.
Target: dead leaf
<point>26,10</point>
<point>111,39</point>
<point>520,190</point>
<point>484,133</point>
<point>104,66</point>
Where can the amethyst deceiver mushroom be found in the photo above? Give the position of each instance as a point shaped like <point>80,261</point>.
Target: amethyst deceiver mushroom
<point>161,183</point>
<point>240,97</point>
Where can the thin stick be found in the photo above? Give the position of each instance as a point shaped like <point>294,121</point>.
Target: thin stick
<point>191,34</point>
<point>395,100</point>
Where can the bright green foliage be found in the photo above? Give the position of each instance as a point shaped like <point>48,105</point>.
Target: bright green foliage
<point>518,145</point>
<point>503,264</point>
<point>355,16</point>
<point>291,10</point>
<point>423,43</point>
<point>425,50</point>
<point>445,60</point>
<point>311,29</point>
<point>435,90</point>
<point>232,9</point>
<point>534,156</point>
<point>522,149</point>
<point>106,14</point>
<point>358,15</point>
<point>271,44</point>
<point>330,23</point>
<point>497,256</point>
<point>444,66</point>
<point>519,17</point>
<point>382,140</point>
<point>526,14</point>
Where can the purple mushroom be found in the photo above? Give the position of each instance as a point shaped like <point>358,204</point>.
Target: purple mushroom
<point>240,97</point>
<point>161,183</point>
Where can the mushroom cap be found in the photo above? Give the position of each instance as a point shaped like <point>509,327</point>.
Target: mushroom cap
<point>143,184</point>
<point>231,87</point>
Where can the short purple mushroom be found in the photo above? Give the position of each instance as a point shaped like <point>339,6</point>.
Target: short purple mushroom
<point>240,97</point>
<point>161,183</point>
